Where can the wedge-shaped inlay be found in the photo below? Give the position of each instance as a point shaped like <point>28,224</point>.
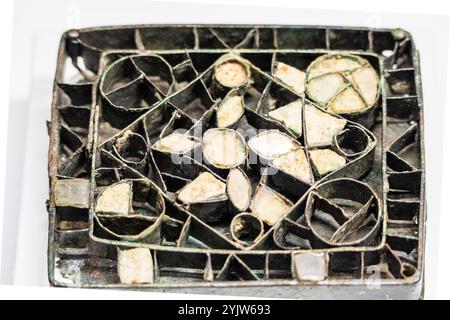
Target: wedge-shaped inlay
<point>334,64</point>
<point>204,188</point>
<point>296,164</point>
<point>269,205</point>
<point>290,115</point>
<point>321,127</point>
<point>292,77</point>
<point>116,199</point>
<point>367,82</point>
<point>347,101</point>
<point>176,143</point>
<point>239,189</point>
<point>326,161</point>
<point>324,90</point>
<point>230,111</point>
<point>135,266</point>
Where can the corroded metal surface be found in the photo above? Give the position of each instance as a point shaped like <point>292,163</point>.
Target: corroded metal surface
<point>156,130</point>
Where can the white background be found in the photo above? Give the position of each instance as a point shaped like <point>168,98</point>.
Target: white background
<point>30,36</point>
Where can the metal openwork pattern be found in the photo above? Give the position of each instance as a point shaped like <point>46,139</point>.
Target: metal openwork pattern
<point>257,160</point>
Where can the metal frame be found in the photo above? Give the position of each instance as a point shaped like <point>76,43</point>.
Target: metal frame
<point>93,265</point>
